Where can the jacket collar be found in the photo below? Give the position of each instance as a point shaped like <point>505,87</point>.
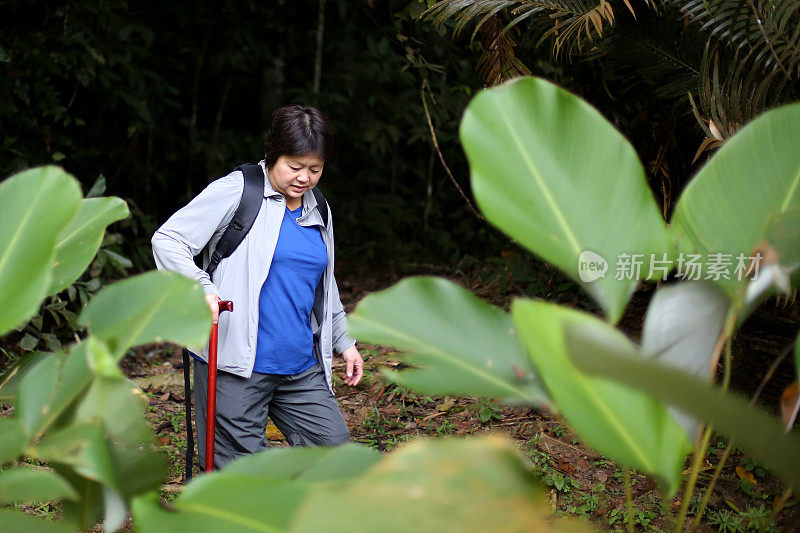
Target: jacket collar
<point>268,190</point>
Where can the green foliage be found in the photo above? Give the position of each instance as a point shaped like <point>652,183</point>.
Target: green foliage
<point>629,426</point>
<point>155,308</point>
<point>477,484</point>
<point>158,102</point>
<point>26,484</point>
<point>551,173</point>
<point>452,334</point>
<point>532,169</point>
<point>737,59</point>
<point>79,241</point>
<point>14,522</point>
<point>597,350</point>
<point>35,205</point>
<point>722,195</point>
<point>73,409</point>
<point>311,464</point>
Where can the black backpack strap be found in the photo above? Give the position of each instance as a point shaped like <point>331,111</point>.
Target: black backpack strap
<point>322,205</point>
<point>243,218</point>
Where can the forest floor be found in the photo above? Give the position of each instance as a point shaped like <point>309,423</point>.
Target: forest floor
<point>581,483</point>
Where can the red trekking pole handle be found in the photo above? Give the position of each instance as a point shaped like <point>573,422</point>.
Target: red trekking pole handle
<point>211,412</point>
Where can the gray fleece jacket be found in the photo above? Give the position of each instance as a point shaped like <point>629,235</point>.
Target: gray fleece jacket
<point>239,277</point>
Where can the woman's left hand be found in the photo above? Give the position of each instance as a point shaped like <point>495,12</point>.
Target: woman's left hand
<point>354,366</point>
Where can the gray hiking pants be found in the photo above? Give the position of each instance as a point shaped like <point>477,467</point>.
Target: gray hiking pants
<point>301,406</point>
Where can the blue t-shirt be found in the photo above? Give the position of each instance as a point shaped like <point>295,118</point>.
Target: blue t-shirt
<point>285,340</point>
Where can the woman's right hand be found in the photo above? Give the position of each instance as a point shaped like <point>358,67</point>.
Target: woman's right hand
<point>213,304</point>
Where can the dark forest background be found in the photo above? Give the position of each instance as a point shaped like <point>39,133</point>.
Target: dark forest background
<point>159,98</point>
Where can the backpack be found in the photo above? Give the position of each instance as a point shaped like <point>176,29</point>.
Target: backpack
<point>241,223</point>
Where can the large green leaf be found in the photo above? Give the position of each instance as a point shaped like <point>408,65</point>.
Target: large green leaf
<point>28,485</point>
<point>318,463</point>
<point>85,512</point>
<point>783,235</point>
<point>14,522</point>
<point>78,243</point>
<point>461,344</point>
<point>234,503</point>
<point>142,468</point>
<point>35,206</point>
<point>83,447</point>
<point>152,307</point>
<point>50,387</point>
<point>552,173</point>
<point>594,351</point>
<point>12,376</point>
<point>478,484</point>
<point>624,424</point>
<point>117,404</point>
<point>727,207</point>
<point>35,391</point>
<point>13,439</point>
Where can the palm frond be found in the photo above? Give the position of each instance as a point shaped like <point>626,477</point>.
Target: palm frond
<point>571,24</point>
<point>652,57</point>
<point>498,61</point>
<point>767,32</point>
<point>573,31</point>
<point>733,93</point>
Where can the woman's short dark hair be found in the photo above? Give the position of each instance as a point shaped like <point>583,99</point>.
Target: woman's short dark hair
<point>297,130</point>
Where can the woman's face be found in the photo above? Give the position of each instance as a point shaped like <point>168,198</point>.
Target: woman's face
<point>292,175</point>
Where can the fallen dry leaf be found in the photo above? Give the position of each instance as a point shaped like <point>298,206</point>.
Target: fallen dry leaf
<point>446,405</point>
<point>790,402</point>
<point>744,474</point>
<point>566,467</point>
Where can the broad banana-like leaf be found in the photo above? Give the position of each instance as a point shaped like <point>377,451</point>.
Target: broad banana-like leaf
<point>624,424</point>
<point>17,522</point>
<point>118,404</point>
<point>13,439</point>
<point>88,510</point>
<point>151,307</point>
<point>476,484</point>
<point>230,502</point>
<point>78,243</point>
<point>50,387</point>
<point>35,206</point>
<point>460,344</point>
<point>316,463</point>
<point>727,207</point>
<point>552,173</point>
<point>595,351</point>
<point>28,485</point>
<point>83,447</point>
<point>480,484</point>
<point>12,376</point>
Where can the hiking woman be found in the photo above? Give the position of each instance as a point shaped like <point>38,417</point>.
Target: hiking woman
<point>275,351</point>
